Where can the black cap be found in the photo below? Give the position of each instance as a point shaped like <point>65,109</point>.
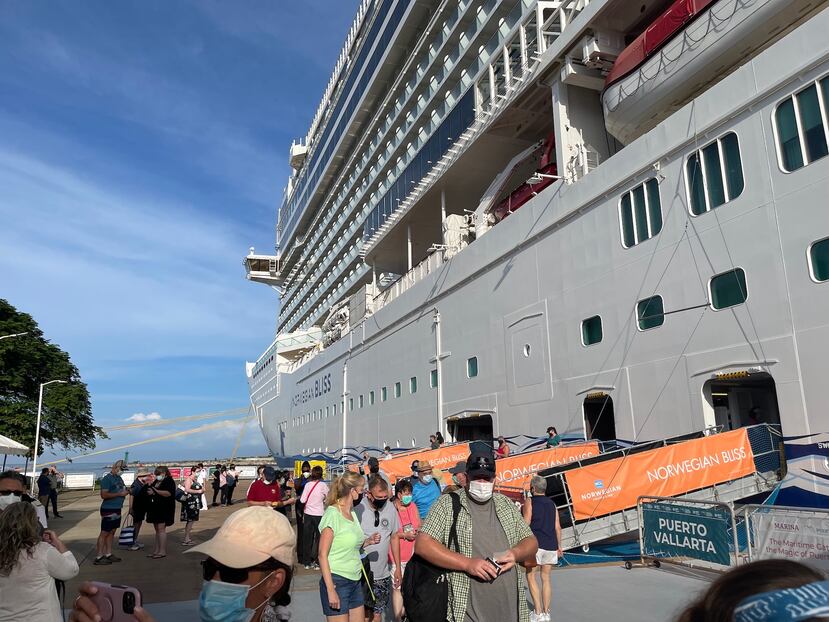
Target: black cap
<point>373,462</point>
<point>460,467</point>
<point>480,463</point>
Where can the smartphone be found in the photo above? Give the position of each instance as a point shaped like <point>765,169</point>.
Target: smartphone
<point>116,603</point>
<point>496,564</point>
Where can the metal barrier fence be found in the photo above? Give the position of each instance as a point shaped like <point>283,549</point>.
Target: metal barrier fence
<point>765,441</point>
<point>800,534</point>
<point>687,532</point>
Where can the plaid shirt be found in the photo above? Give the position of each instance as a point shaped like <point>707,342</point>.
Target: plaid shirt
<point>437,525</point>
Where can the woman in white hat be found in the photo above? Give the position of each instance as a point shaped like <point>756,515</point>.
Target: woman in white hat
<point>247,572</point>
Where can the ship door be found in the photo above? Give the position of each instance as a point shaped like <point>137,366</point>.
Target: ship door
<point>599,420</point>
<point>741,399</point>
<point>470,428</point>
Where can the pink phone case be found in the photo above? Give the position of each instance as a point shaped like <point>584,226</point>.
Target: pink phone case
<point>116,602</point>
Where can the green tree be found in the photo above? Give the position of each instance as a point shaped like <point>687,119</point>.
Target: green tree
<point>25,363</point>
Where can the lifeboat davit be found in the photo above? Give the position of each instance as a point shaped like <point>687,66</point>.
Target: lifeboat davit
<point>690,46</point>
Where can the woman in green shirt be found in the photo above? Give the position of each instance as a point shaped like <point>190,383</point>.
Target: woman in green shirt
<point>341,538</point>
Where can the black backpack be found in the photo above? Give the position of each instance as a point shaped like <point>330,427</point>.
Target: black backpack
<point>425,586</point>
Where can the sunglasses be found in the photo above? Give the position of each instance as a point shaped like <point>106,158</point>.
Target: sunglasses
<point>227,574</point>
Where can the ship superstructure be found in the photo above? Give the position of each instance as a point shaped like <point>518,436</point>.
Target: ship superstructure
<point>607,216</point>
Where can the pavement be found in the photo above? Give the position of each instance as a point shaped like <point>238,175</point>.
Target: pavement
<point>170,586</point>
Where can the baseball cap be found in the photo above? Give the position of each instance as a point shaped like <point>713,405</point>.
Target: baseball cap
<point>460,467</point>
<point>249,537</point>
<point>480,463</point>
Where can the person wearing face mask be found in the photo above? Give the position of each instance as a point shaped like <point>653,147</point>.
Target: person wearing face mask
<point>313,499</point>
<point>458,472</point>
<point>247,573</point>
<point>13,489</point>
<point>426,489</point>
<point>29,564</point>
<point>266,491</point>
<point>299,509</point>
<point>113,492</point>
<point>139,504</point>
<point>341,538</point>
<point>162,512</point>
<point>374,469</point>
<point>376,514</point>
<point>409,520</point>
<point>492,537</point>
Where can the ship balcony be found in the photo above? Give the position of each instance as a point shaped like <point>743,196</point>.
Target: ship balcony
<point>263,269</point>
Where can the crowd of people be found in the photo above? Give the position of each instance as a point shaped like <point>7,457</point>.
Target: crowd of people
<point>374,544</point>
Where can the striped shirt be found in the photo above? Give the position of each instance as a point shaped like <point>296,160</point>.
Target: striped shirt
<point>437,525</point>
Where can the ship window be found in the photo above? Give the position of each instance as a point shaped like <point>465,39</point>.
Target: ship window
<point>472,367</point>
<point>819,260</point>
<point>728,289</point>
<point>361,401</point>
<point>591,330</point>
<point>800,127</point>
<point>397,390</point>
<point>650,313</point>
<point>326,412</point>
<point>714,174</point>
<point>413,384</point>
<point>351,404</point>
<point>384,394</point>
<point>371,398</point>
<point>640,213</point>
<point>433,378</point>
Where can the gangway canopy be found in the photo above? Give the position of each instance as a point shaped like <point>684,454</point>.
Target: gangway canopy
<point>11,447</point>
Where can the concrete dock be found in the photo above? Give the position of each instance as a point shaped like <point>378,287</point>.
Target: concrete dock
<point>170,586</point>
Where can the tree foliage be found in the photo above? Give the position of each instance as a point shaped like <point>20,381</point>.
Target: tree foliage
<point>25,363</point>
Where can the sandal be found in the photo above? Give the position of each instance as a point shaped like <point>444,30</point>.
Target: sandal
<point>187,543</point>
<point>157,556</point>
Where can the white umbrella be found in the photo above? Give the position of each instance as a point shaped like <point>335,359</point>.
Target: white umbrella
<point>8,446</point>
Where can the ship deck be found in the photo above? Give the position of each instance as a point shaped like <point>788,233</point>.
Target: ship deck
<point>170,586</point>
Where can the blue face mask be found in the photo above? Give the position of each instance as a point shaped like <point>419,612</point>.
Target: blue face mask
<point>225,602</point>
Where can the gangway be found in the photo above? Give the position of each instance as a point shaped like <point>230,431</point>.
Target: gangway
<point>620,476</point>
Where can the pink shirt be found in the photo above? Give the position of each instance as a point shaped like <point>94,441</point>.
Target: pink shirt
<point>313,496</point>
<point>408,516</point>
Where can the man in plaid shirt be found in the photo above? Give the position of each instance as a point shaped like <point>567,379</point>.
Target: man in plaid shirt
<point>485,584</point>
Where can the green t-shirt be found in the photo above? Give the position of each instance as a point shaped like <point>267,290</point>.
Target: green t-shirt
<point>344,556</point>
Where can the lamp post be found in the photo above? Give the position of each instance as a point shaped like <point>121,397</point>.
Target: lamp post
<point>12,335</point>
<point>37,431</point>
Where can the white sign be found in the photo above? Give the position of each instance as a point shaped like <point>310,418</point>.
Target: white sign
<point>79,481</point>
<point>246,472</point>
<point>803,537</point>
<point>128,477</point>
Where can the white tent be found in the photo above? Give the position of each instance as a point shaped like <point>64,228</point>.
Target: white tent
<point>8,446</point>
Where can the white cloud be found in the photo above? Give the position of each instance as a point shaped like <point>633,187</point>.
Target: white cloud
<point>139,417</point>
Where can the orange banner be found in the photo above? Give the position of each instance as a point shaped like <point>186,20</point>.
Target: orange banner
<point>517,470</point>
<point>442,458</point>
<point>617,484</point>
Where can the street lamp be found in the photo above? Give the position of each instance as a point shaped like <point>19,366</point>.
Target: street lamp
<point>37,432</point>
<point>13,335</point>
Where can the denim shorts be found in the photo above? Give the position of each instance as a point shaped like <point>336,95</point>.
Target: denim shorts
<point>350,593</point>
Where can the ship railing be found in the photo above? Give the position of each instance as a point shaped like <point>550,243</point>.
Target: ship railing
<point>765,441</point>
<point>406,281</point>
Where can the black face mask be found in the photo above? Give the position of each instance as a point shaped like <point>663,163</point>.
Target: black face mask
<point>358,499</point>
<point>379,503</point>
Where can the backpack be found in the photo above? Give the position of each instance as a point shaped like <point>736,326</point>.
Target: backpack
<point>231,481</point>
<point>425,586</point>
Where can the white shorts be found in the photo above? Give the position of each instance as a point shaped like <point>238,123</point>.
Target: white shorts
<point>546,558</point>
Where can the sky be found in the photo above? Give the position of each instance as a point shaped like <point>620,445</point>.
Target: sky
<point>143,150</point>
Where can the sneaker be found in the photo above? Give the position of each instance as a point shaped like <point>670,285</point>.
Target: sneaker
<point>135,547</point>
<point>307,566</point>
<point>102,561</point>
<point>113,558</point>
<point>544,617</point>
<point>315,566</point>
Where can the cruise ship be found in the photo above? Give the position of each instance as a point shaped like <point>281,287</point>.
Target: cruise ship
<point>609,216</point>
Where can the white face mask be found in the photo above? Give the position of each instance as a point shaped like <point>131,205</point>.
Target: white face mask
<point>7,500</point>
<point>426,479</point>
<point>481,491</point>
<point>159,478</point>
